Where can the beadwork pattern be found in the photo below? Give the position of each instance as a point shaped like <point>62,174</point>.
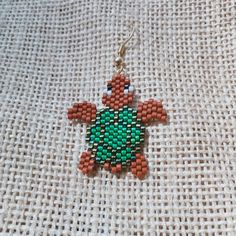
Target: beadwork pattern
<point>116,134</point>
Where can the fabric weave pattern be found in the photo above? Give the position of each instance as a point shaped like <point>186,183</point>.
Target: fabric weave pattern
<point>55,53</point>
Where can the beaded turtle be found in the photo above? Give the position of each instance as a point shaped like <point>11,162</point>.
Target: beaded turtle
<point>116,134</point>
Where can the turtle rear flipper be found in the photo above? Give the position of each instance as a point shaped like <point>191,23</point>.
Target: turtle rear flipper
<point>139,167</point>
<point>87,164</point>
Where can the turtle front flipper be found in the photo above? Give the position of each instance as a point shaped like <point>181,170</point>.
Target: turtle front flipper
<point>87,164</point>
<point>139,167</point>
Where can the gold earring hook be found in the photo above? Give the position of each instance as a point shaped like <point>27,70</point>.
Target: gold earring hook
<point>122,48</point>
<point>119,61</point>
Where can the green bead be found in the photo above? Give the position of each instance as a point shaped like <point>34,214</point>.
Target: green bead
<point>123,158</point>
<point>123,152</point>
<point>114,145</point>
<point>138,132</point>
<point>129,121</point>
<point>104,151</point>
<point>119,143</point>
<point>99,154</point>
<point>103,121</point>
<point>128,155</point>
<point>133,140</point>
<point>118,155</point>
<point>100,148</point>
<point>123,140</point>
<point>109,154</point>
<point>106,140</point>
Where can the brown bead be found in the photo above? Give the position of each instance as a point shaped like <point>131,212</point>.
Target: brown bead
<point>70,116</point>
<point>154,115</point>
<point>154,108</point>
<point>113,169</point>
<point>145,169</point>
<point>118,167</point>
<point>149,105</point>
<point>70,110</point>
<point>139,167</point>
<point>144,164</point>
<point>106,166</point>
<point>130,99</point>
<point>149,117</point>
<point>139,115</point>
<point>163,118</point>
<point>144,119</point>
<point>139,174</point>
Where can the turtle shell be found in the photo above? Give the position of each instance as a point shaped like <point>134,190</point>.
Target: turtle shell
<point>116,136</point>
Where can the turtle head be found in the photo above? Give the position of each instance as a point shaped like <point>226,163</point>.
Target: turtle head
<point>119,92</point>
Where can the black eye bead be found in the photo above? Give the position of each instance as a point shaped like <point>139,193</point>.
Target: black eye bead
<point>126,86</point>
<point>109,87</point>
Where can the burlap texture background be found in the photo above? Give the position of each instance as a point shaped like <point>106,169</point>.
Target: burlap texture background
<point>53,53</point>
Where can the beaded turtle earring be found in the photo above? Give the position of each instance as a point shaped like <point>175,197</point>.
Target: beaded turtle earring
<point>116,134</point>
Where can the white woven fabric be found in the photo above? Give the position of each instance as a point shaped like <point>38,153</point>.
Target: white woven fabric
<point>54,53</point>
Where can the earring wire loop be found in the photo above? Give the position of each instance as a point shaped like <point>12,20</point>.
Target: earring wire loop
<point>119,62</point>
